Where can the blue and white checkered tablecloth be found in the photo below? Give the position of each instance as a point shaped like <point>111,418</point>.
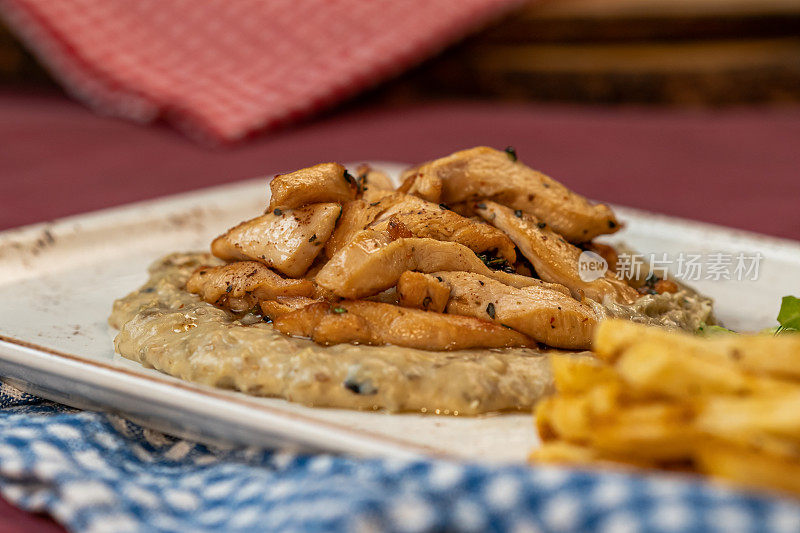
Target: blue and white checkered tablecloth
<point>97,472</point>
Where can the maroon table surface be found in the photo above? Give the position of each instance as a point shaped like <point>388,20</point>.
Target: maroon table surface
<point>738,167</point>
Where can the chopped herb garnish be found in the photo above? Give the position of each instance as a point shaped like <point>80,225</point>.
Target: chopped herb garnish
<point>495,263</point>
<point>708,329</point>
<point>542,225</point>
<point>426,302</point>
<point>341,210</point>
<point>229,288</point>
<point>481,205</point>
<point>439,278</point>
<point>312,238</point>
<point>444,206</point>
<point>373,204</point>
<point>518,213</point>
<point>490,310</point>
<point>339,310</point>
<point>512,153</point>
<point>277,212</point>
<point>361,182</point>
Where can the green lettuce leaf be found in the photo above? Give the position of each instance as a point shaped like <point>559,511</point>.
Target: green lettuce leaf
<point>789,315</point>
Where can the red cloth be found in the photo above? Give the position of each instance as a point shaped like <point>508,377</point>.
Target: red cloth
<point>220,69</point>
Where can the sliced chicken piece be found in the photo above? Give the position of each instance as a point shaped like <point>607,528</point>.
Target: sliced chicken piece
<point>286,240</point>
<point>403,215</point>
<point>465,209</point>
<point>372,263</point>
<point>240,286</point>
<point>372,195</point>
<point>373,179</point>
<point>485,173</point>
<point>422,291</point>
<point>364,322</point>
<point>413,217</point>
<point>548,316</point>
<point>427,186</point>
<point>282,305</point>
<point>554,259</point>
<point>326,182</point>
<point>356,216</point>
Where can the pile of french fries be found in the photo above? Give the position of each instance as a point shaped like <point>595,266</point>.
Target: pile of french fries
<point>726,405</point>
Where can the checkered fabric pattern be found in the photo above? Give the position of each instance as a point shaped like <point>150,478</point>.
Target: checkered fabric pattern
<point>221,69</point>
<point>96,472</point>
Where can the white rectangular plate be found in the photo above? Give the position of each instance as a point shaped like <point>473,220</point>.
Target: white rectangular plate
<point>58,281</point>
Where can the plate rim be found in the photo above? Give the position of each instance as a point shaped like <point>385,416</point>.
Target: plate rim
<point>16,351</point>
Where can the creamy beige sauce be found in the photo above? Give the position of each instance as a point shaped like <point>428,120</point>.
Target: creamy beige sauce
<point>167,328</point>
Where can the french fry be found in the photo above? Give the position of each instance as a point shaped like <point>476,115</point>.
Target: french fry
<point>564,452</point>
<point>575,416</point>
<point>727,406</point>
<point>661,368</point>
<point>578,373</point>
<point>542,416</point>
<point>569,417</point>
<point>569,453</point>
<point>778,356</point>
<point>612,337</point>
<point>750,467</point>
<point>654,432</point>
<point>738,417</point>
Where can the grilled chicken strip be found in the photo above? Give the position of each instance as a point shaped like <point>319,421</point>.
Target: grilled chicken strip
<point>403,215</point>
<point>364,322</point>
<point>286,240</point>
<point>414,217</point>
<point>282,305</point>
<point>373,179</point>
<point>422,291</point>
<point>372,262</point>
<point>240,286</point>
<point>326,182</point>
<point>485,173</point>
<point>554,259</point>
<point>426,186</point>
<point>545,315</point>
<point>356,216</point>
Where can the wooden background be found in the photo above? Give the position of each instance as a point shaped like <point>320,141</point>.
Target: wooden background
<point>660,52</point>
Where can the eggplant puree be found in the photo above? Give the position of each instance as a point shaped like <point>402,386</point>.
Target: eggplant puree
<point>167,328</point>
